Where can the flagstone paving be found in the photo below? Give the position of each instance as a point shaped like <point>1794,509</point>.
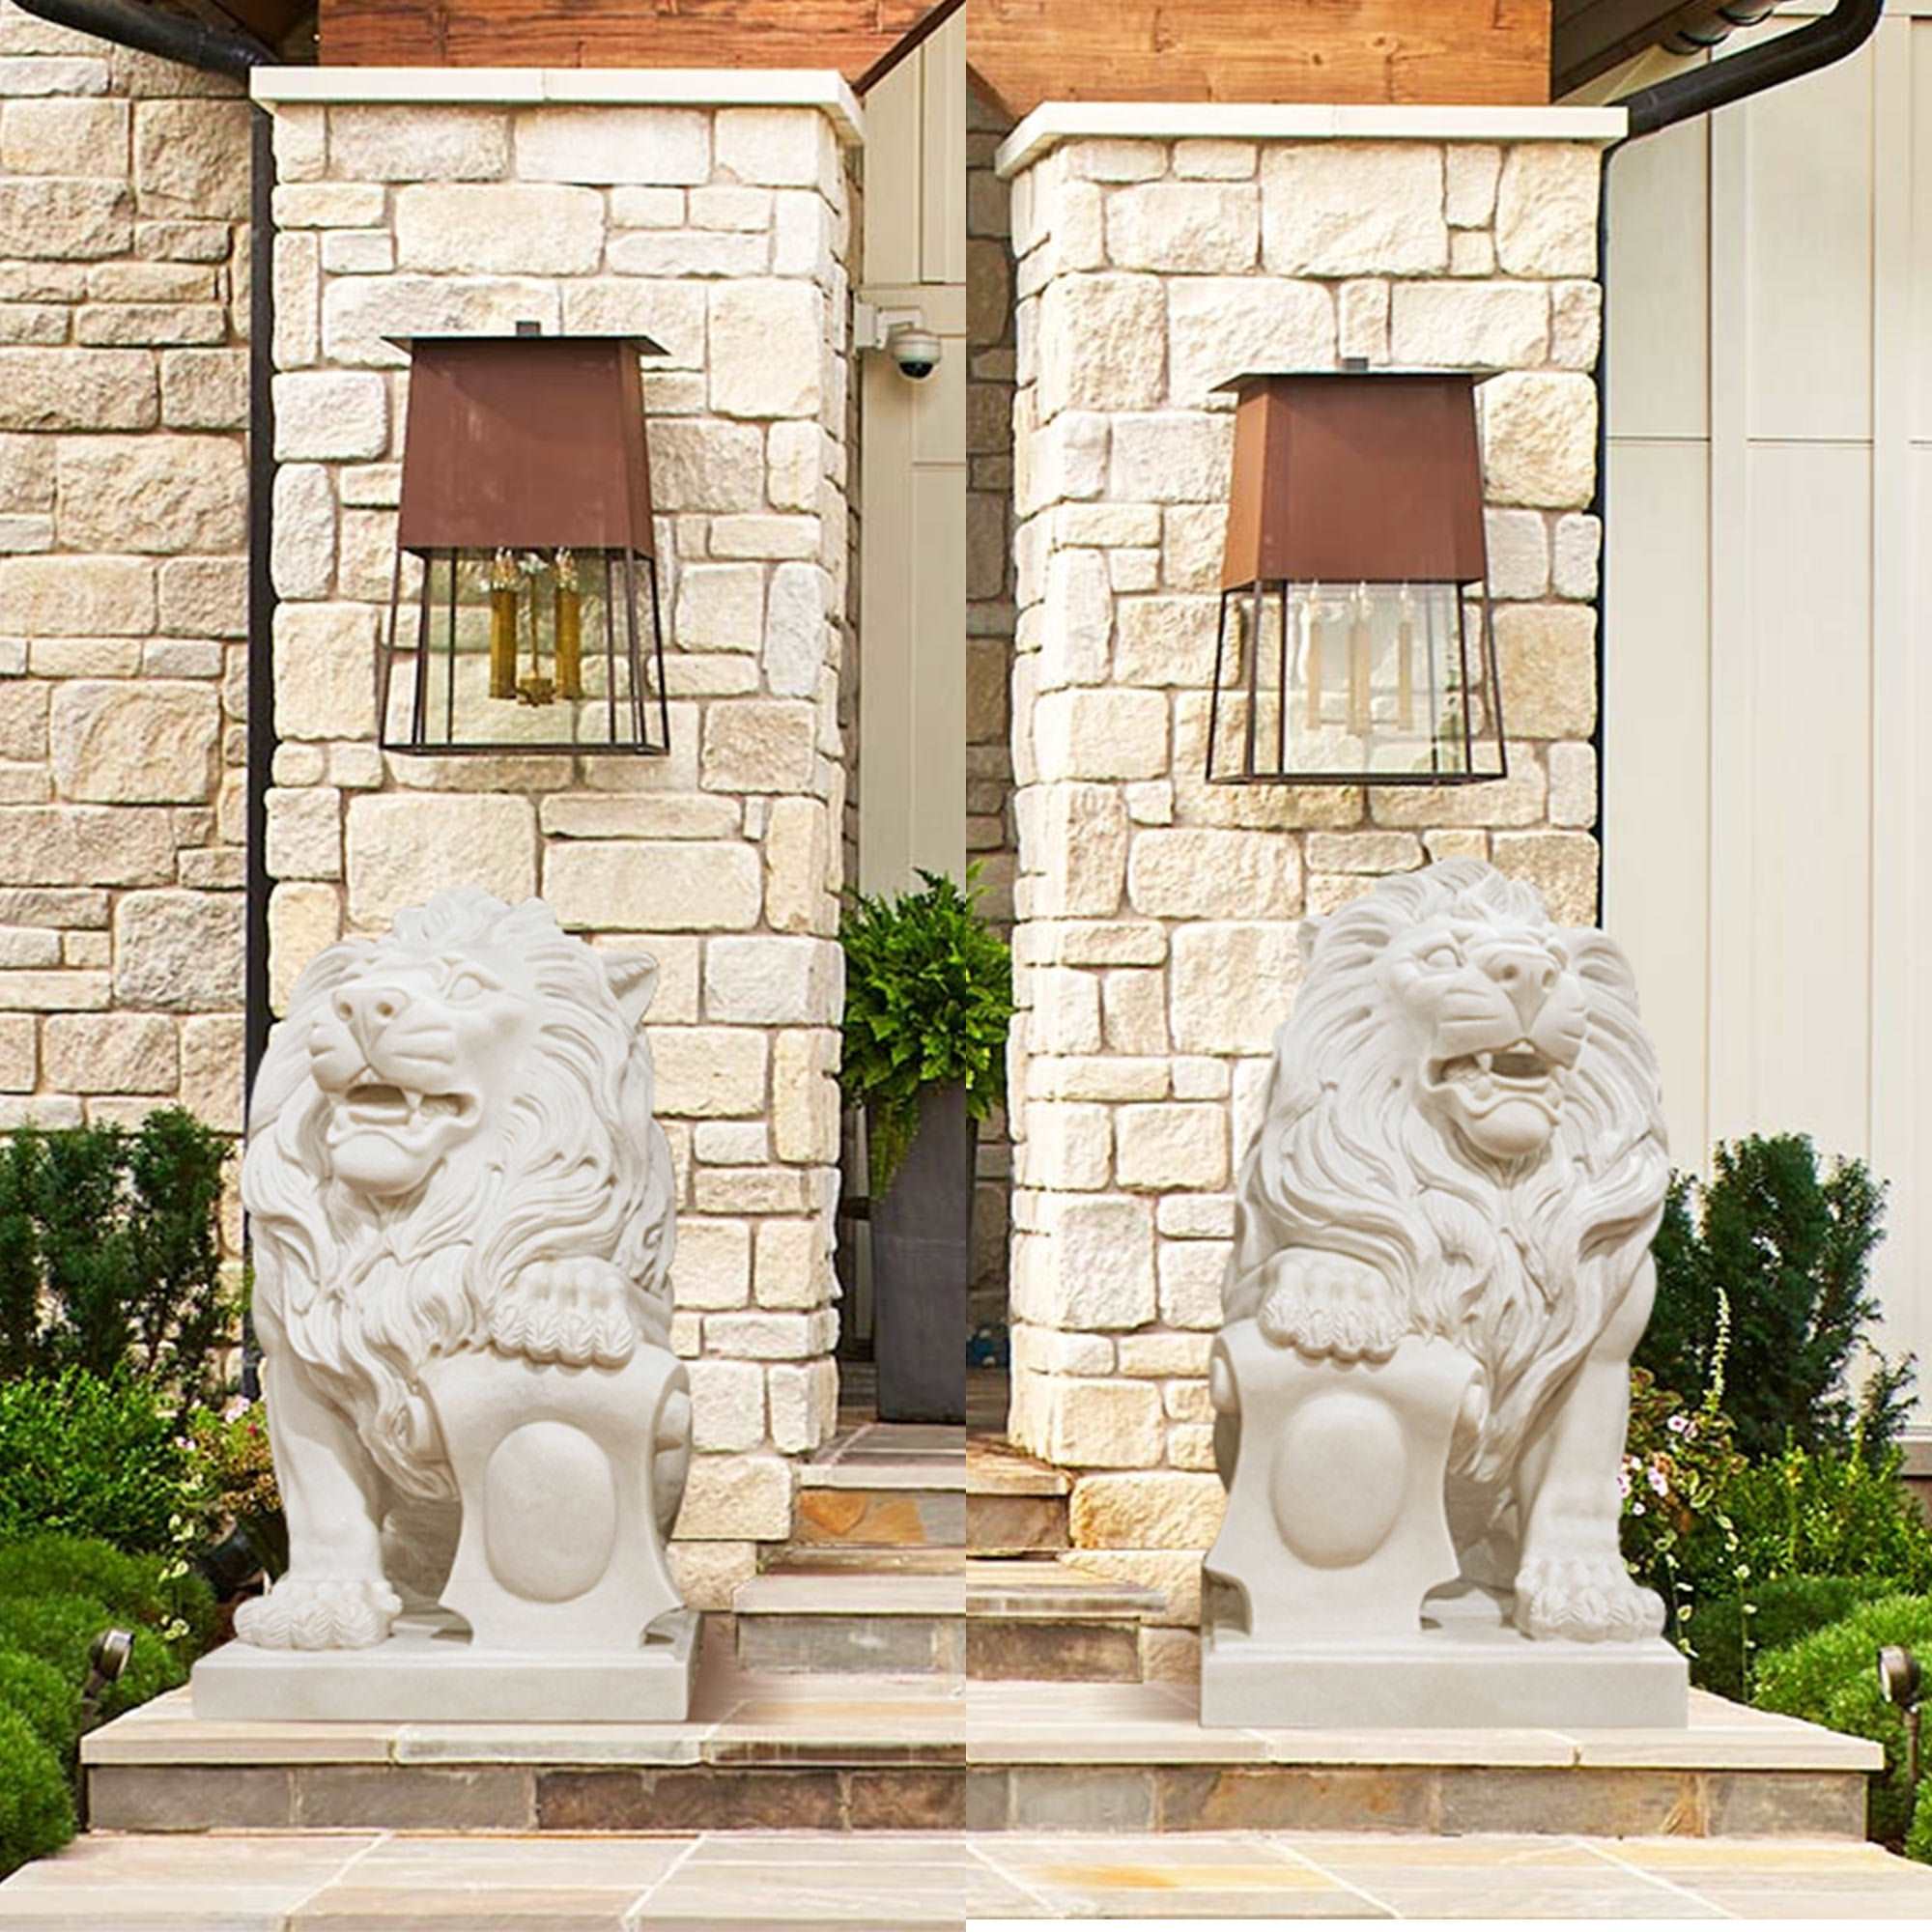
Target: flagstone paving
<point>346,1882</point>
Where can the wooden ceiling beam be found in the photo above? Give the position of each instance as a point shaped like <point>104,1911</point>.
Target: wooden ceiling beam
<point>853,36</point>
<point>1487,52</point>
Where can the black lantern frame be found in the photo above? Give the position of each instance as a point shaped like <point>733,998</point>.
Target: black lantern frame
<point>636,702</point>
<point>1355,645</point>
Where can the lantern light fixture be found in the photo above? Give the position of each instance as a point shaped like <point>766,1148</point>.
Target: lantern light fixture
<point>536,625</point>
<point>1355,645</point>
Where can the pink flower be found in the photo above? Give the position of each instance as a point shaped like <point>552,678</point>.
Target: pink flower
<point>1678,1425</point>
<point>1658,1483</point>
<point>239,1406</point>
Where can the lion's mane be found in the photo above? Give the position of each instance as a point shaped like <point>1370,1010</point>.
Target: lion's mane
<point>1522,1264</point>
<point>367,1293</point>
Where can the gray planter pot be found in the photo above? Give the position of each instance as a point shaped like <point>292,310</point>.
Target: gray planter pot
<point>922,1261</point>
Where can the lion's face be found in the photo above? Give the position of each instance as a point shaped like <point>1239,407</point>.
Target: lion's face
<point>415,1054</point>
<point>1496,1018</point>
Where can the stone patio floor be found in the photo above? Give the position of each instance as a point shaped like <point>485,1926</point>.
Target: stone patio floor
<point>732,1882</point>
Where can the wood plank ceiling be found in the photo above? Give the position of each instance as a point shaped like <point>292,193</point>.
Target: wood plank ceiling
<point>1025,52</point>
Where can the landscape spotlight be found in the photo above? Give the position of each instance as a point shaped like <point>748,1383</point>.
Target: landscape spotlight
<point>1898,1681</point>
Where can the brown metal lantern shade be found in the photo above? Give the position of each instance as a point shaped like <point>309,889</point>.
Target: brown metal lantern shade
<point>1355,645</point>
<point>526,494</point>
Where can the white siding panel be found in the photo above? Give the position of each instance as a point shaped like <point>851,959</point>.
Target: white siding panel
<point>1768,700</point>
<point>1657,760</point>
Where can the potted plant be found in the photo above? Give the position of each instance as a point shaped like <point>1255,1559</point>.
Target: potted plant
<point>929,997</point>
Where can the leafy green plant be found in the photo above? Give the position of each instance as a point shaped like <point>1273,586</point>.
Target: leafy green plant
<point>36,1691</point>
<point>35,1805</point>
<point>1830,1514</point>
<point>85,1455</point>
<point>1789,1242</point>
<point>158,1591</point>
<point>1829,1678</point>
<point>928,1001</point>
<point>1919,1838</point>
<point>1732,1632</point>
<point>235,1474</point>
<point>59,1630</point>
<point>1678,1460</point>
<point>110,1254</point>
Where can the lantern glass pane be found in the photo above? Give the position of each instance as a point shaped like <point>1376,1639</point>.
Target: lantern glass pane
<point>1390,683</point>
<point>526,651</point>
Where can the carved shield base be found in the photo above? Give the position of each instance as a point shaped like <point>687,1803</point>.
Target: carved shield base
<point>561,1549</point>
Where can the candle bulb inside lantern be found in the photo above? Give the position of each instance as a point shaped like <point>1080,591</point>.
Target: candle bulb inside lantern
<point>569,628</point>
<point>1311,654</point>
<point>503,582</point>
<point>1404,662</point>
<point>534,688</point>
<point>1358,664</point>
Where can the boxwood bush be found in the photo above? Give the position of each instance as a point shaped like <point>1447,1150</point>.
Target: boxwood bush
<point>49,1701</point>
<point>87,1455</point>
<point>1726,1630</point>
<point>1831,1678</point>
<point>171,1600</point>
<point>60,1631</point>
<point>36,1803</point>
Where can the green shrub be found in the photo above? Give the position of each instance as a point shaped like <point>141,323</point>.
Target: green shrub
<point>1726,1630</point>
<point>1831,1678</point>
<point>928,1002</point>
<point>153,1590</point>
<point>1918,1840</point>
<point>1677,1463</point>
<point>1830,1514</point>
<point>35,1805</point>
<point>60,1631</point>
<point>85,1455</point>
<point>110,1255</point>
<point>1790,1246</point>
<point>34,1689</point>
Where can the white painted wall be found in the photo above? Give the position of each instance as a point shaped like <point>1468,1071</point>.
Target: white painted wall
<point>912,613</point>
<point>1768,705</point>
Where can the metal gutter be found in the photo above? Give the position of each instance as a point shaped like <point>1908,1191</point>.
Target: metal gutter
<point>238,55</point>
<point>1720,83</point>
<point>174,37</point>
<point>1843,31</point>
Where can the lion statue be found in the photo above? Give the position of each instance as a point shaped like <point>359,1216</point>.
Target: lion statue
<point>451,1149</point>
<point>1463,1139</point>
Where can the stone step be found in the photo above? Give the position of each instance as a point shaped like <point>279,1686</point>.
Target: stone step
<point>925,1612</point>
<point>1015,1505</point>
<point>854,1754</point>
<point>1034,1620</point>
<point>854,1613</point>
<point>885,1485</point>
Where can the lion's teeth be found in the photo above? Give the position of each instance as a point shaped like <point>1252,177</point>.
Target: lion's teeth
<point>1485,1061</point>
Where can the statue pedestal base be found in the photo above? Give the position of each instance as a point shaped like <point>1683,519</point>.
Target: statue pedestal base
<point>426,1676</point>
<point>1462,1675</point>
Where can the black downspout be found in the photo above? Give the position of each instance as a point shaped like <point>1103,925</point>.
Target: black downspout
<point>261,586</point>
<point>173,36</point>
<point>1720,83</point>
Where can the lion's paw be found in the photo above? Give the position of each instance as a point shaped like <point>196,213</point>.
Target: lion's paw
<point>1588,1598</point>
<point>1331,1305</point>
<point>319,1613</point>
<point>575,1312</point>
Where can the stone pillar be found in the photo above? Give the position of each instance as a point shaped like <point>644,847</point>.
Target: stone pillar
<point>721,231</point>
<point>124,398</point>
<point>1157,945</point>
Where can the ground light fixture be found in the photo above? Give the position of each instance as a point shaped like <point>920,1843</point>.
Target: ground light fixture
<point>535,623</point>
<point>1354,643</point>
<point>1899,1682</point>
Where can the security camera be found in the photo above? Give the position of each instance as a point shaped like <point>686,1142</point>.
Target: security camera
<point>902,333</point>
<point>915,352</point>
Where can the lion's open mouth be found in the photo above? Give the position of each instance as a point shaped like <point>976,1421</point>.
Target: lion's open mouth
<point>376,1103</point>
<point>1521,1070</point>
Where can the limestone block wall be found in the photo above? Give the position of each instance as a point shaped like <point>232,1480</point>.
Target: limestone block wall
<point>1156,935</point>
<point>722,231</point>
<point>123,312</point>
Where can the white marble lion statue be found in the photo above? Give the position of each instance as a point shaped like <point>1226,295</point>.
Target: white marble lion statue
<point>452,1165</point>
<point>1464,1142</point>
